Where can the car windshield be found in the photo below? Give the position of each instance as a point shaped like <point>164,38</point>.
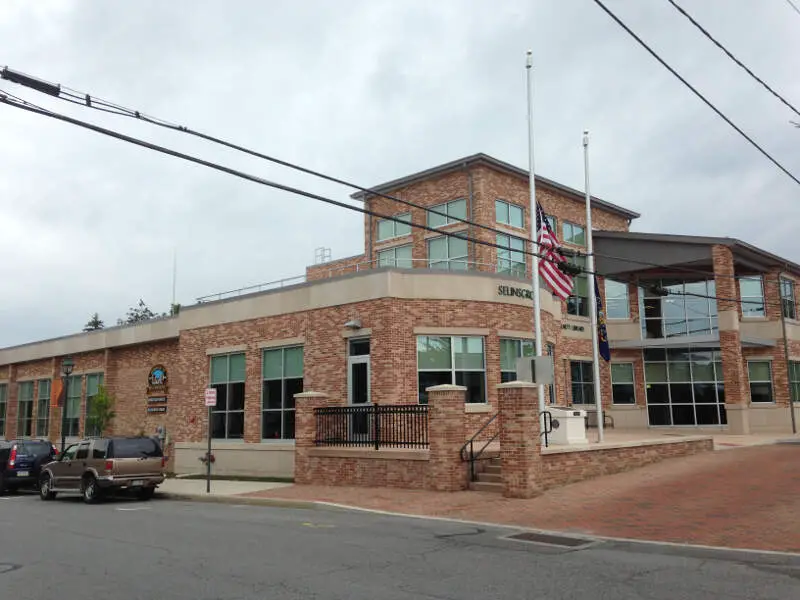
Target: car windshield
<point>135,448</point>
<point>36,448</point>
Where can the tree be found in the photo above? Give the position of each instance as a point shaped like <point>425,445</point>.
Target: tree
<point>137,314</point>
<point>94,323</point>
<point>100,412</point>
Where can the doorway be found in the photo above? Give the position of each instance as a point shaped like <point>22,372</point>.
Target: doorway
<point>358,385</point>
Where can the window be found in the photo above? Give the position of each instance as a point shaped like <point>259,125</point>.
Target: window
<point>582,382</point>
<point>457,209</point>
<point>578,302</point>
<point>43,408</point>
<point>227,377</point>
<point>99,448</point>
<point>93,383</point>
<point>794,380</point>
<point>72,409</point>
<point>83,451</point>
<point>282,373</point>
<point>396,257</point>
<point>787,298</point>
<point>574,234</point>
<point>622,388</point>
<point>616,300</point>
<point>449,253</point>
<point>685,311</point>
<point>553,223</point>
<point>391,229</point>
<point>25,410</point>
<point>751,291</point>
<point>509,214</point>
<point>512,259</point>
<point>511,350</point>
<point>451,360</point>
<point>3,407</point>
<point>760,374</point>
<point>134,448</point>
<point>71,451</point>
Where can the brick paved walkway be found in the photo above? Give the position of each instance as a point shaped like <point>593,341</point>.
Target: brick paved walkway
<point>743,498</point>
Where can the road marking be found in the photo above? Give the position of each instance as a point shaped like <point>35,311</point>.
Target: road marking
<point>318,525</point>
<point>136,508</point>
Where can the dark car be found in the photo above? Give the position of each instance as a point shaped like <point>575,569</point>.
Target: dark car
<point>21,462</point>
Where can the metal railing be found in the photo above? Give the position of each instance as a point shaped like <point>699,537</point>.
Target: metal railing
<point>546,424</point>
<point>468,453</point>
<point>373,425</point>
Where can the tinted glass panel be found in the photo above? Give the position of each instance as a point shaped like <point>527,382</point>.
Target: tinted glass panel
<point>433,352</point>
<point>474,381</point>
<point>135,448</point>
<point>429,379</point>
<point>272,393</point>
<point>682,414</point>
<point>236,400</point>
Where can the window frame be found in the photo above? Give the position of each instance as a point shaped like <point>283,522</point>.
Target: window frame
<point>283,378</point>
<point>93,433</point>
<point>444,207</point>
<point>452,369</point>
<point>72,424</point>
<point>769,382</point>
<point>749,299</point>
<point>394,260</point>
<point>614,300</point>
<point>578,306</point>
<point>794,380</point>
<point>515,268</point>
<point>549,351</point>
<point>788,302</point>
<point>25,423</point>
<point>450,260</point>
<point>228,383</point>
<point>572,227</point>
<point>43,407</point>
<point>682,298</point>
<point>583,383</point>
<point>631,384</point>
<point>395,224</point>
<point>508,206</point>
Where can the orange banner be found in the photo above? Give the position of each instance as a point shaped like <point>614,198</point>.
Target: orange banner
<point>57,393</point>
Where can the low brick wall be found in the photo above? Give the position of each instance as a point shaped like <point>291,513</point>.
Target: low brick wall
<point>561,466</point>
<point>409,469</point>
<point>473,421</point>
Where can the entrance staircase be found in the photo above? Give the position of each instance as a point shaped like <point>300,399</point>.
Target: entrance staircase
<point>489,478</point>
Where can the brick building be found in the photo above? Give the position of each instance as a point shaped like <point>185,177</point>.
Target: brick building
<point>419,309</point>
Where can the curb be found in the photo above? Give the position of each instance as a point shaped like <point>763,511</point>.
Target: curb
<point>246,500</point>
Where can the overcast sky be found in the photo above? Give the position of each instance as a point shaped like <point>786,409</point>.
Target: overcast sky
<point>368,91</point>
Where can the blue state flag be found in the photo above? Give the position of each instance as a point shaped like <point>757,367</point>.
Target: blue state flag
<point>602,333</point>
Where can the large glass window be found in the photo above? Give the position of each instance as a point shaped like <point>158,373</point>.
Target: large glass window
<point>391,229</point>
<point>574,234</point>
<point>396,257</point>
<point>623,390</point>
<point>93,383</point>
<point>228,377</point>
<point>582,382</point>
<point>787,298</point>
<point>450,213</point>
<point>684,386</point>
<point>760,375</point>
<point>3,408</point>
<point>25,409</point>
<point>509,214</point>
<point>689,309</point>
<point>751,292</point>
<point>72,416</point>
<point>512,349</point>
<point>511,258</point>
<point>282,372</point>
<point>617,302</point>
<point>794,380</point>
<point>451,360</point>
<point>447,252</point>
<point>43,408</point>
<point>578,302</point>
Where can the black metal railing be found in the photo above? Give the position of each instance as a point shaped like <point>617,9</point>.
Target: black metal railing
<point>468,452</point>
<point>547,426</point>
<point>373,425</point>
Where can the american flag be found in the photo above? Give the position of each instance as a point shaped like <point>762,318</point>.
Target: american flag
<point>559,282</point>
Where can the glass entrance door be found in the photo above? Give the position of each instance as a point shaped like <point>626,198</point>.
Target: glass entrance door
<point>358,388</point>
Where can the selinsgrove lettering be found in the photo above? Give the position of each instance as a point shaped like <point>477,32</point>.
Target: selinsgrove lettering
<point>507,290</point>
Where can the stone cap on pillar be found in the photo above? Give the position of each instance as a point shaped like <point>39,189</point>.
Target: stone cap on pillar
<point>310,395</point>
<point>515,385</point>
<point>446,387</point>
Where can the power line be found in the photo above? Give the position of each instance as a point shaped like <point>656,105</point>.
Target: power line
<point>794,6</point>
<point>693,89</point>
<point>732,57</point>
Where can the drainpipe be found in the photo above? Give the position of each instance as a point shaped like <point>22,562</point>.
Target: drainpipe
<point>369,243</point>
<point>786,351</point>
<point>470,200</point>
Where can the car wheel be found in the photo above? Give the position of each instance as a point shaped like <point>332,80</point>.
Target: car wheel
<point>45,487</point>
<point>146,493</point>
<point>90,490</point>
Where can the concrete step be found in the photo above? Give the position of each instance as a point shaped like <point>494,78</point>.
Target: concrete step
<point>493,469</point>
<point>490,477</point>
<point>485,486</point>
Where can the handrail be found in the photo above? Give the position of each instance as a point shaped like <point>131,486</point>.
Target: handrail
<point>548,426</point>
<point>473,456</point>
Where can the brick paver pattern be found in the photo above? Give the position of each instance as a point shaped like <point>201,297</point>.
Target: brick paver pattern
<point>742,498</point>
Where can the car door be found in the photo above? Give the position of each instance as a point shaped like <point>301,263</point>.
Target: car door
<point>79,465</point>
<point>60,468</point>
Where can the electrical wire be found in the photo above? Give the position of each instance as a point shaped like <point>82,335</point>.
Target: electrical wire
<point>732,57</point>
<point>794,6</point>
<point>708,103</point>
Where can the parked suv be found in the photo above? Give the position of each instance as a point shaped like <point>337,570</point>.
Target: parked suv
<point>94,467</point>
<point>21,462</point>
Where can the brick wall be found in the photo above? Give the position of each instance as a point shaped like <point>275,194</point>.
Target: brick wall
<point>337,268</point>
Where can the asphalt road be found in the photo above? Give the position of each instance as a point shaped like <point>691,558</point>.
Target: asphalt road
<point>126,550</point>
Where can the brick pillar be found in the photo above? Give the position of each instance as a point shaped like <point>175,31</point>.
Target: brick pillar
<point>12,405</point>
<point>305,430</point>
<point>519,439</point>
<point>737,392</point>
<point>446,436</point>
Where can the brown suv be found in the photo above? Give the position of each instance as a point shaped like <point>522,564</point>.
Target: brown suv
<point>96,466</point>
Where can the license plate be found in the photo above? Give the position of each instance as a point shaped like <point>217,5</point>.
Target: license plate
<point>137,483</point>
<point>23,473</point>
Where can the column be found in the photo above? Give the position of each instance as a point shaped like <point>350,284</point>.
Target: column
<point>519,439</point>
<point>305,431</point>
<point>12,404</point>
<point>736,384</point>
<point>446,435</point>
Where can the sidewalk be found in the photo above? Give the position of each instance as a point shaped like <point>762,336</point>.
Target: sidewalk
<point>221,490</point>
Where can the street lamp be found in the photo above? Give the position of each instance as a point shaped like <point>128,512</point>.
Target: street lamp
<point>66,370</point>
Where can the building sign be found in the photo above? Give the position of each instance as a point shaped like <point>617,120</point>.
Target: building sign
<point>507,290</point>
<point>156,409</point>
<point>572,327</point>
<point>157,380</point>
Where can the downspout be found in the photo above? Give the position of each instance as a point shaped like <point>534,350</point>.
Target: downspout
<point>471,248</point>
<point>369,218</point>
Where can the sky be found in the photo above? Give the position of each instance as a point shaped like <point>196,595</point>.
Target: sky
<point>367,91</point>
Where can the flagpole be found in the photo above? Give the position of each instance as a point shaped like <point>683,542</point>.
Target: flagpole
<point>537,312</point>
<point>592,301</point>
